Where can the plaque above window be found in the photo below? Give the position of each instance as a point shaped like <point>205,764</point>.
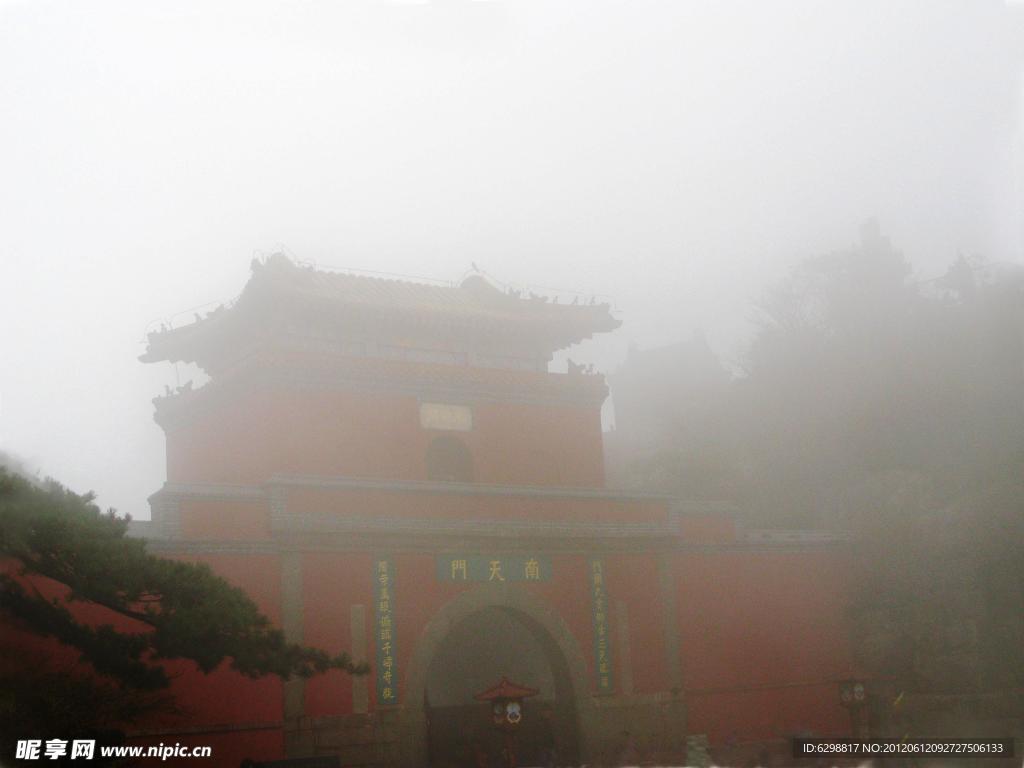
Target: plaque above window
<point>458,418</point>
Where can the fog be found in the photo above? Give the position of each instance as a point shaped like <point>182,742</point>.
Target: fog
<point>679,157</point>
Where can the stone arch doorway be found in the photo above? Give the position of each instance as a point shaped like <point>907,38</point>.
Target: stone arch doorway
<point>479,635</point>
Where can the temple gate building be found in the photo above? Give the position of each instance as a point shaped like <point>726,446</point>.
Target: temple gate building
<point>389,467</point>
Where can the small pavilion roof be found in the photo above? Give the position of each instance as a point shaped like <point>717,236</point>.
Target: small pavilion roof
<point>506,689</point>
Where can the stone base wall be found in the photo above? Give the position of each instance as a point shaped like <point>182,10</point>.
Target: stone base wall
<point>653,728</point>
<point>644,729</point>
<point>358,740</point>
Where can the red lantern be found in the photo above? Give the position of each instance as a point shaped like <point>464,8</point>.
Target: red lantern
<point>506,699</point>
<point>506,702</point>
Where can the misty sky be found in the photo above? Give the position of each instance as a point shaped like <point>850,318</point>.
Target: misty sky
<point>679,156</point>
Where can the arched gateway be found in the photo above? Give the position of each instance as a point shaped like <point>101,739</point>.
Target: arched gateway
<point>390,467</point>
<point>446,727</point>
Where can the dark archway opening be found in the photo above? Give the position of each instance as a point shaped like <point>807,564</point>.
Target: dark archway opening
<point>449,459</point>
<point>492,642</point>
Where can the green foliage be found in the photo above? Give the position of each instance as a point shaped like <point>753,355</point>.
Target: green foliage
<point>180,610</point>
<point>893,411</point>
<point>40,699</point>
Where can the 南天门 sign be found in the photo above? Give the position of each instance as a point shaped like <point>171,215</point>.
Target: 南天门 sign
<point>493,568</point>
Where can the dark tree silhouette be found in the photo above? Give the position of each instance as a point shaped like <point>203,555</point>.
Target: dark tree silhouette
<point>172,610</point>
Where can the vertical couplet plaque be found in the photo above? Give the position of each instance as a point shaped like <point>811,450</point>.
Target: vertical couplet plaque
<point>384,627</point>
<point>602,635</point>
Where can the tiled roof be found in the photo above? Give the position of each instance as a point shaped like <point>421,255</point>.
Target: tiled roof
<point>475,305</point>
<point>474,296</point>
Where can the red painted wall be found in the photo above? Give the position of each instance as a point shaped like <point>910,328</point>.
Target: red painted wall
<point>225,520</point>
<point>331,585</point>
<point>256,434</point>
<point>763,636</point>
<point>634,580</point>
<point>208,703</point>
<point>771,622</point>
<point>225,696</point>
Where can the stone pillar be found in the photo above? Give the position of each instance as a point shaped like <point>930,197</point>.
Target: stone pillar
<point>360,683</point>
<point>624,656</point>
<point>675,708</point>
<point>166,516</point>
<point>292,620</point>
<point>409,724</point>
